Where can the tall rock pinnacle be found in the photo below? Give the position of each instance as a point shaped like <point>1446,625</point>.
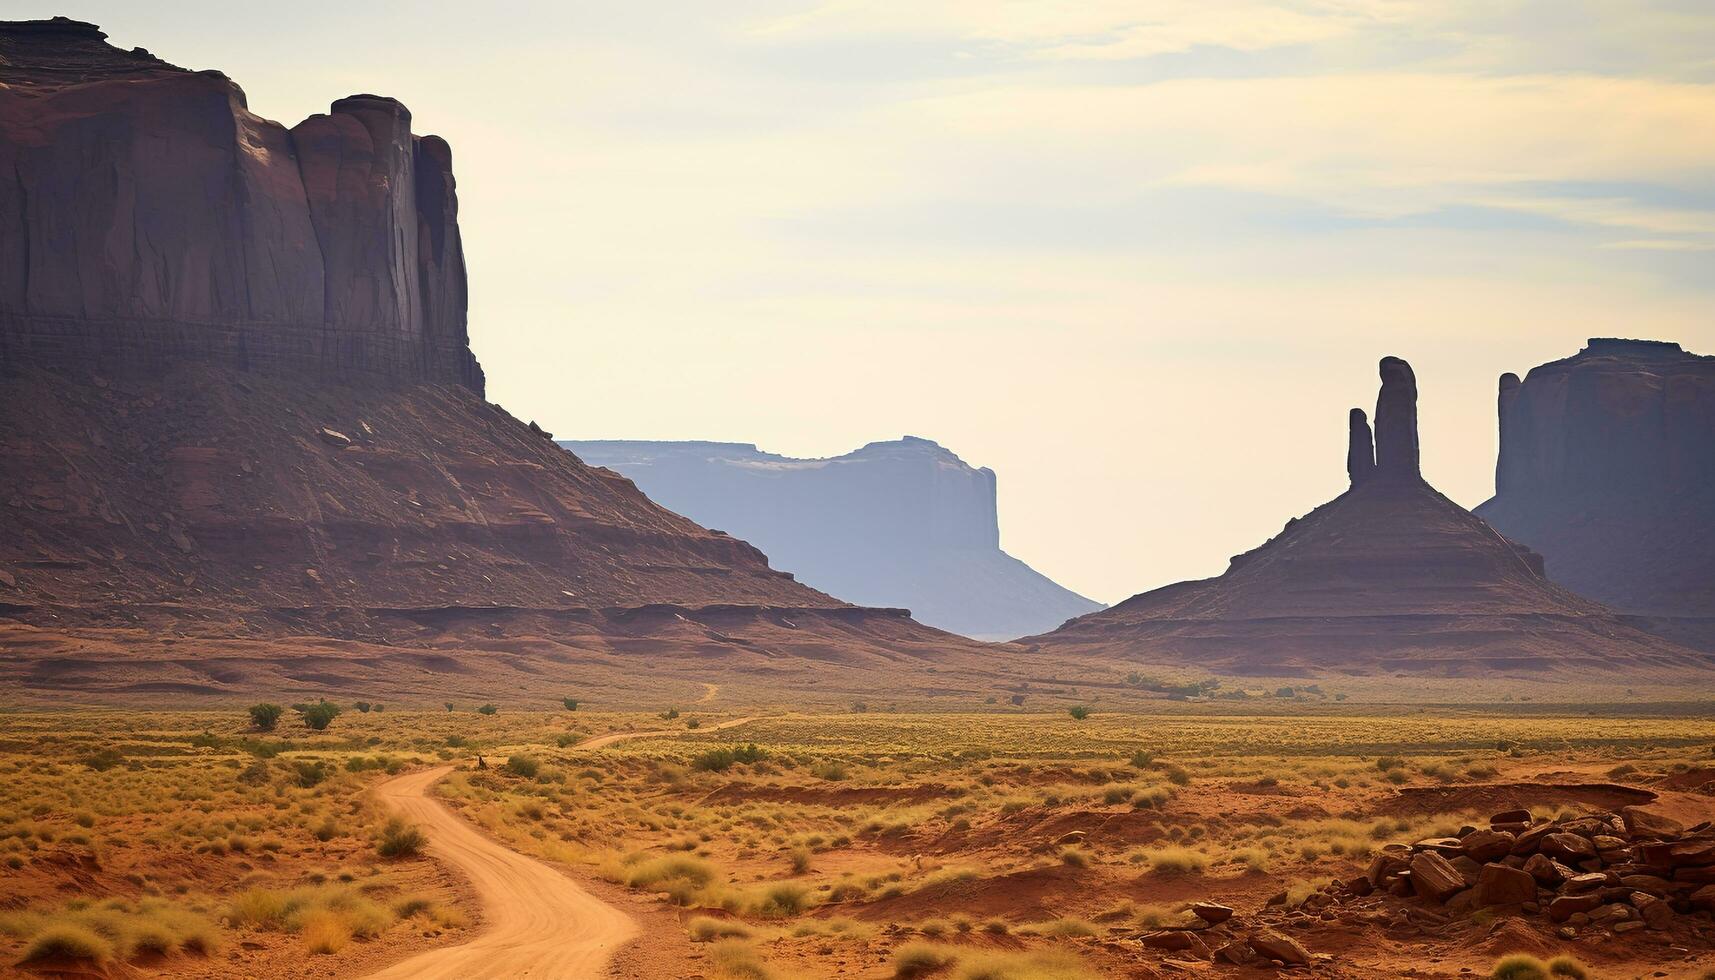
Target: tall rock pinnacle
<point>1361,449</point>
<point>1396,421</point>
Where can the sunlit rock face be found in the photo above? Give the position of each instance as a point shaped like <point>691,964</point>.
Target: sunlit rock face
<point>148,218</point>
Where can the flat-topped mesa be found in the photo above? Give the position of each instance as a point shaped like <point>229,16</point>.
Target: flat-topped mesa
<point>1396,422</point>
<point>1360,449</point>
<point>151,218</point>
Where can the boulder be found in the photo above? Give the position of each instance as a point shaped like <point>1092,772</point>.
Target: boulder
<point>1657,913</point>
<point>1586,882</point>
<point>1434,877</point>
<point>1211,912</point>
<point>1501,885</point>
<point>1642,823</point>
<point>1689,852</point>
<point>1568,847</point>
<point>1510,816</point>
<point>1483,846</point>
<point>1566,906</point>
<point>1549,872</point>
<point>1275,946</point>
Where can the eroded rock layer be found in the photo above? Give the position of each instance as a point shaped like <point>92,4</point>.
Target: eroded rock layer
<point>1389,576</point>
<point>244,449</point>
<point>148,217</point>
<point>1607,467</point>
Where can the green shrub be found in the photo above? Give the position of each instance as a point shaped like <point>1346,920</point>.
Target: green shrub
<point>266,715</point>
<point>320,715</point>
<point>523,765</point>
<point>400,839</point>
<point>1079,711</point>
<point>570,703</point>
<point>1142,759</point>
<point>721,759</point>
<point>67,941</point>
<point>487,709</point>
<point>310,773</point>
<point>1519,966</point>
<point>103,760</point>
<point>918,959</point>
<point>363,706</point>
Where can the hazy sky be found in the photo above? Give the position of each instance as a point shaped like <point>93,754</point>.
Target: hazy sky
<point>1138,257</point>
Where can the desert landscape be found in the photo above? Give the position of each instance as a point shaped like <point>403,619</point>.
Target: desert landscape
<point>316,661</point>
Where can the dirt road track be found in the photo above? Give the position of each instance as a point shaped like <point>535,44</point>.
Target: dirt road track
<point>603,740</point>
<point>537,921</point>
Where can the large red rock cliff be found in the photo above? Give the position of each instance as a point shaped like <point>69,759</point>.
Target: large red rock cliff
<point>244,448</point>
<point>148,217</point>
<point>1607,467</point>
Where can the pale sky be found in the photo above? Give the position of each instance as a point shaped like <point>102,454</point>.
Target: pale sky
<point>1138,257</point>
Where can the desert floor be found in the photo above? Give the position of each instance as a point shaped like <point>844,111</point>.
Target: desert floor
<point>698,841</point>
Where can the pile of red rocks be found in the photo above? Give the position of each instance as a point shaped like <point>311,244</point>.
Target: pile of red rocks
<point>1212,935</point>
<point>1587,877</point>
<point>1615,872</point>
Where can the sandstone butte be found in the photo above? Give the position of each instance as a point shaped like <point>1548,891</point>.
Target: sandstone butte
<point>1607,468</point>
<point>1389,576</point>
<point>244,445</point>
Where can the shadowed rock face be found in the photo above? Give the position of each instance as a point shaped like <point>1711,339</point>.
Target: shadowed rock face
<point>1360,449</point>
<point>1389,576</point>
<point>904,523</point>
<point>1607,467</point>
<point>1396,421</point>
<point>148,217</point>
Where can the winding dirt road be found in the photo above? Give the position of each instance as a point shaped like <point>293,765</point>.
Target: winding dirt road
<point>603,740</point>
<point>538,922</point>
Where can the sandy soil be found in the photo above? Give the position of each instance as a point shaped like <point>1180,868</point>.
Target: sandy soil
<point>603,740</point>
<point>540,923</point>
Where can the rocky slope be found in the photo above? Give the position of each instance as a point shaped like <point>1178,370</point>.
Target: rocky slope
<point>1389,576</point>
<point>1607,467</point>
<point>243,447</point>
<point>903,523</point>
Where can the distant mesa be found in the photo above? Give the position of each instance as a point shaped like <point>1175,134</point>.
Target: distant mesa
<point>901,523</point>
<point>1607,467</point>
<point>1390,576</point>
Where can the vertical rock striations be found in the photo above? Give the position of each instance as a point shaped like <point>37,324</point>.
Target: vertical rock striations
<point>1396,421</point>
<point>148,217</point>
<point>1607,467</point>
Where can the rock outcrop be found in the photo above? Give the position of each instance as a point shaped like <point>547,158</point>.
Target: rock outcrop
<point>148,217</point>
<point>1389,576</point>
<point>1607,467</point>
<point>243,448</point>
<point>904,523</point>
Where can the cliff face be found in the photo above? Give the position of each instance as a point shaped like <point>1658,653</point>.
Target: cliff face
<point>903,523</point>
<point>1607,467</point>
<point>243,448</point>
<point>148,217</point>
<point>1389,576</point>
